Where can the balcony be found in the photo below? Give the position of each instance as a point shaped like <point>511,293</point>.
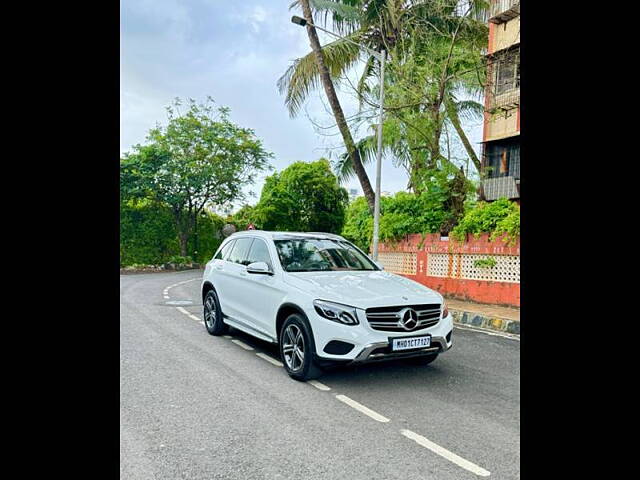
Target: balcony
<point>503,10</point>
<point>495,188</point>
<point>503,102</point>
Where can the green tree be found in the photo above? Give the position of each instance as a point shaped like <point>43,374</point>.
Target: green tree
<point>435,63</point>
<point>200,158</point>
<point>303,197</point>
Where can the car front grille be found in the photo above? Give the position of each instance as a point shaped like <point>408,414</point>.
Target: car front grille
<point>388,318</point>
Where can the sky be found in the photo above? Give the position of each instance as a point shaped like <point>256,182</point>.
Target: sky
<point>233,51</point>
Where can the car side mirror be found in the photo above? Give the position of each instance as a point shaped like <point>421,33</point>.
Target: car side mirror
<point>260,268</point>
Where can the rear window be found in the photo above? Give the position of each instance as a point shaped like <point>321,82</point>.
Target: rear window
<point>240,251</point>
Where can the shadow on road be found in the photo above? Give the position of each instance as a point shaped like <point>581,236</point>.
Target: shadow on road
<point>397,372</point>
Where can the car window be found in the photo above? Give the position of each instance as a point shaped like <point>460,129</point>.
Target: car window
<point>319,254</point>
<point>224,251</point>
<point>260,253</point>
<point>240,251</point>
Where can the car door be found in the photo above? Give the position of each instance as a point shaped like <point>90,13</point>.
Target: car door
<point>262,294</point>
<point>228,273</point>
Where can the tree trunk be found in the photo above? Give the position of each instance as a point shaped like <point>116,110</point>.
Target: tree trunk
<point>455,121</point>
<point>184,240</point>
<point>353,152</point>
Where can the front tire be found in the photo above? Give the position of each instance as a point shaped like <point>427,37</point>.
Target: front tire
<point>297,349</point>
<point>213,315</point>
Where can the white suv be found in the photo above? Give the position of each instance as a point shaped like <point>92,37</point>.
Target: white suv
<point>322,300</point>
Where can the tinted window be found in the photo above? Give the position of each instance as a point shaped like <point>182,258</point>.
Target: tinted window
<point>240,251</point>
<point>315,254</point>
<point>260,253</point>
<point>224,251</point>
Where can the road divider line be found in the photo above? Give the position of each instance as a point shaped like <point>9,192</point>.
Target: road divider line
<point>166,297</point>
<point>241,344</point>
<point>318,385</point>
<point>195,318</point>
<point>182,310</point>
<point>361,408</point>
<point>227,336</point>
<point>443,452</point>
<point>269,359</point>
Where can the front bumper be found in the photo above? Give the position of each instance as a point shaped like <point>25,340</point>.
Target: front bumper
<point>374,345</point>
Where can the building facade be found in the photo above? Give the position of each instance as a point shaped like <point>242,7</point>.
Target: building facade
<point>501,130</point>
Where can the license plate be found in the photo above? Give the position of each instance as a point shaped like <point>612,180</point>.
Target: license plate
<point>410,343</point>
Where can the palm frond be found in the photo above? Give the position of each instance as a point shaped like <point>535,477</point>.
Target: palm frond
<point>469,109</point>
<point>343,166</point>
<point>303,76</point>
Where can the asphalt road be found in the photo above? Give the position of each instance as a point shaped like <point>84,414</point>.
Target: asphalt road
<point>193,406</point>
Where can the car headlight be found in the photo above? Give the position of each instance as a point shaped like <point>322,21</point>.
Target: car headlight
<point>336,312</point>
<point>445,309</point>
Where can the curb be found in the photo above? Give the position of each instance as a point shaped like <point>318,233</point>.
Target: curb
<point>159,269</point>
<point>474,319</point>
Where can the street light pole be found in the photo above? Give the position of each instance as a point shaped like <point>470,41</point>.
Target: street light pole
<point>381,56</point>
<point>376,208</point>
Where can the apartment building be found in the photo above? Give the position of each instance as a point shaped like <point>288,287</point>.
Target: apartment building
<point>501,132</point>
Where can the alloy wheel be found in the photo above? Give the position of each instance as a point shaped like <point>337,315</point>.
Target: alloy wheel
<point>293,347</point>
<point>210,311</point>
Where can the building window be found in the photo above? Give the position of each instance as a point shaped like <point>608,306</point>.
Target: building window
<point>502,158</point>
<point>507,72</point>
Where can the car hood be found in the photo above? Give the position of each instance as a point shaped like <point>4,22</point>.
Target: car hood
<point>363,289</point>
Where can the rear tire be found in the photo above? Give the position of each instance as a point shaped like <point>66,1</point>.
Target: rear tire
<point>297,349</point>
<point>213,315</point>
<point>423,360</point>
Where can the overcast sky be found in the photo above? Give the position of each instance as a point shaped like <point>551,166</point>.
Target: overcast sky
<point>235,52</point>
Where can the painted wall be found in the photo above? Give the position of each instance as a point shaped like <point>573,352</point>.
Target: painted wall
<point>453,285</point>
<point>504,34</point>
<point>502,125</point>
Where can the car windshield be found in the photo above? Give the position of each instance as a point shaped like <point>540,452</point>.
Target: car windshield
<point>319,255</point>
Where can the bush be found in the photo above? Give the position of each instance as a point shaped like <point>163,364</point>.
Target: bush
<point>180,260</point>
<point>501,217</point>
<point>403,214</point>
<point>148,235</point>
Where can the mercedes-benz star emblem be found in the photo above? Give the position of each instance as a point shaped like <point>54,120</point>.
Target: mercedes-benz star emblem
<point>408,319</point>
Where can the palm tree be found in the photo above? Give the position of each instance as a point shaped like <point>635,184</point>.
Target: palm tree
<point>299,89</point>
<point>435,52</point>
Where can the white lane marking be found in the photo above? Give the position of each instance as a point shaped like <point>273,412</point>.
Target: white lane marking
<point>166,290</point>
<point>443,452</point>
<point>197,319</point>
<point>182,310</point>
<point>272,361</point>
<point>318,385</point>
<point>495,334</point>
<point>362,408</point>
<point>227,336</point>
<point>166,297</point>
<point>241,344</point>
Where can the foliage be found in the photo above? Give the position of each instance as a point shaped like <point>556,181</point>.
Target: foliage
<point>498,218</point>
<point>358,225</point>
<point>180,259</point>
<point>200,158</point>
<point>148,235</point>
<point>243,217</point>
<point>509,227</point>
<point>489,262</point>
<point>303,197</point>
<point>403,214</point>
